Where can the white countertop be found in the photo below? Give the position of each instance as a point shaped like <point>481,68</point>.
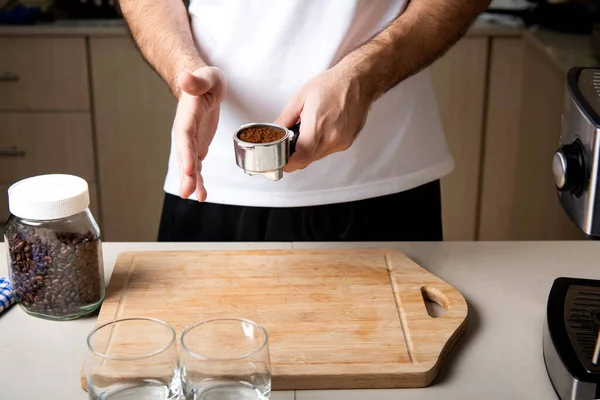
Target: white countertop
<point>506,285</point>
<point>564,49</point>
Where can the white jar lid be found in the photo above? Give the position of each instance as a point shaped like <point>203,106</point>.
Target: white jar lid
<point>47,197</point>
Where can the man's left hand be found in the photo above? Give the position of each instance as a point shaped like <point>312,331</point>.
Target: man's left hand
<point>332,109</point>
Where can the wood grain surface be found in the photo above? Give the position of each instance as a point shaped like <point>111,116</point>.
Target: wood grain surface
<point>335,318</point>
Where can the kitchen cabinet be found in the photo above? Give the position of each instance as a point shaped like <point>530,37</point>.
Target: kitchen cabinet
<point>45,114</point>
<point>501,132</point>
<point>46,143</point>
<point>501,102</point>
<point>133,115</point>
<point>43,74</point>
<point>459,79</point>
<point>537,213</point>
<point>4,213</point>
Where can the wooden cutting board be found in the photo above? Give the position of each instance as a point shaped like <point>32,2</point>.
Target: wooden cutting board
<point>337,319</point>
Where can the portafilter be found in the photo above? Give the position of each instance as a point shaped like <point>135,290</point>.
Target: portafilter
<point>265,158</point>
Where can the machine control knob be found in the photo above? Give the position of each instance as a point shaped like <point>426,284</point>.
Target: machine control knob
<point>568,167</point>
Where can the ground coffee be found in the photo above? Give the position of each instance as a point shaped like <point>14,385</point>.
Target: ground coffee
<point>261,134</point>
<point>55,274</point>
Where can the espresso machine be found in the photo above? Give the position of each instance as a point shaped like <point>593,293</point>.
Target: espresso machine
<point>571,337</point>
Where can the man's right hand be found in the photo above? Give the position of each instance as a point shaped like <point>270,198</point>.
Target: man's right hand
<point>195,124</point>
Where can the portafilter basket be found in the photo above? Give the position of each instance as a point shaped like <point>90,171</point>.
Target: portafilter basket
<point>267,159</point>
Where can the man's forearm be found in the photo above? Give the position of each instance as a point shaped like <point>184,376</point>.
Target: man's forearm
<point>162,32</point>
<point>410,43</point>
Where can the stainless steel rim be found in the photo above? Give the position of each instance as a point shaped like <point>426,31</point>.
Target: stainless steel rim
<point>241,143</point>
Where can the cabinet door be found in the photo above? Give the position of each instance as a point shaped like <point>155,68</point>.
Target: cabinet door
<point>45,143</point>
<point>43,74</point>
<point>4,212</point>
<point>537,213</point>
<point>134,113</point>
<point>460,79</point>
<point>502,133</point>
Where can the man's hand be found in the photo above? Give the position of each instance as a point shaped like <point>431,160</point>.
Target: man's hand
<point>333,106</point>
<point>161,30</point>
<point>332,109</point>
<point>195,124</point>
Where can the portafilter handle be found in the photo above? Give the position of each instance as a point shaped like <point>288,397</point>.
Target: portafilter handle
<point>296,130</point>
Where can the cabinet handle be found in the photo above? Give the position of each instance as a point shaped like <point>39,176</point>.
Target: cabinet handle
<point>11,151</point>
<point>7,76</point>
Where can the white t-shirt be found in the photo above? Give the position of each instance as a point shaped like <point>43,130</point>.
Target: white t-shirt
<point>268,49</point>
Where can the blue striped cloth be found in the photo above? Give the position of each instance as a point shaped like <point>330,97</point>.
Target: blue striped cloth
<point>6,297</point>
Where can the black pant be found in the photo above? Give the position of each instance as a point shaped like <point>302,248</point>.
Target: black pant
<point>414,215</point>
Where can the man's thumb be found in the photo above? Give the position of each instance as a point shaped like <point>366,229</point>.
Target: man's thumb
<point>192,84</point>
<point>290,114</point>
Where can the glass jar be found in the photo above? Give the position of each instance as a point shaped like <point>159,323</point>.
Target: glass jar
<point>54,248</point>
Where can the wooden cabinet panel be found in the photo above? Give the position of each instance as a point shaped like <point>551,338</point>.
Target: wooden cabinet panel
<point>501,139</point>
<point>537,213</point>
<point>134,114</point>
<point>460,80</point>
<point>43,74</point>
<point>4,213</point>
<point>51,143</point>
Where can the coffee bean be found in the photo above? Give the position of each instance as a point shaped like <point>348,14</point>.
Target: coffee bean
<point>54,273</point>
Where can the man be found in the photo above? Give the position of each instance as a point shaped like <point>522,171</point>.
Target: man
<point>371,149</point>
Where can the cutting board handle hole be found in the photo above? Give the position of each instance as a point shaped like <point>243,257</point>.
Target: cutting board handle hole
<point>435,301</point>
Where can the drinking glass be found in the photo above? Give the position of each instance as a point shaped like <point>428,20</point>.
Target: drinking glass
<point>225,359</point>
<point>133,358</point>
